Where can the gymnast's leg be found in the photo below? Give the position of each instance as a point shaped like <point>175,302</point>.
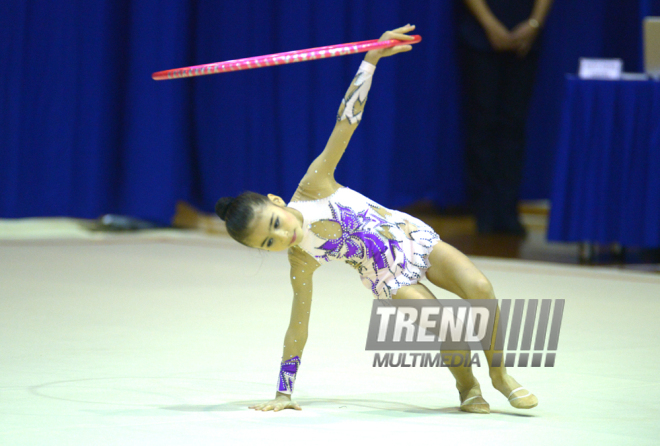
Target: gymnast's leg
<point>451,270</point>
<point>467,385</point>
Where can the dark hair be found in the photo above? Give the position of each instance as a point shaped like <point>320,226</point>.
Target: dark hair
<point>238,213</point>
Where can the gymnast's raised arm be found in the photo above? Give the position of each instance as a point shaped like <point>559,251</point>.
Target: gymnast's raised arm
<point>350,112</point>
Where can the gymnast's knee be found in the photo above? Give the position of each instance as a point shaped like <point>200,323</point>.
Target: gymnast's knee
<point>481,288</point>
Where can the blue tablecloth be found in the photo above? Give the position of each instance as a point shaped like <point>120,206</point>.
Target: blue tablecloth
<point>607,175</point>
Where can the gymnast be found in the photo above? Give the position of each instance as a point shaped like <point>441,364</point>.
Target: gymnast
<point>391,251</point>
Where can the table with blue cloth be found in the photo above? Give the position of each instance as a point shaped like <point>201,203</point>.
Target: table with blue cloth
<point>606,186</point>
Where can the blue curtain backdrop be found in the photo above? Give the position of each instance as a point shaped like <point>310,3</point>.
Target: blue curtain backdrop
<point>84,130</point>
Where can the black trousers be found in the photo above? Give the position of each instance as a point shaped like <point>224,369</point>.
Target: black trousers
<point>497,91</point>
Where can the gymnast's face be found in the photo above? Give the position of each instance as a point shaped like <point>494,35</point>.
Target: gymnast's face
<point>275,227</point>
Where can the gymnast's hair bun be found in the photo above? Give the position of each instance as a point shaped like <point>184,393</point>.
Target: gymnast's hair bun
<point>222,206</point>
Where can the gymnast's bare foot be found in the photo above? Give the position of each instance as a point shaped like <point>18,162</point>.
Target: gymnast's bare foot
<point>472,401</point>
<point>518,396</point>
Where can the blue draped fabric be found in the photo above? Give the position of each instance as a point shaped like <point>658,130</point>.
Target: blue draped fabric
<point>607,175</point>
<point>84,130</point>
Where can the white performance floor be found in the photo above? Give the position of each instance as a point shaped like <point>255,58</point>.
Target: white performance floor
<point>165,339</point>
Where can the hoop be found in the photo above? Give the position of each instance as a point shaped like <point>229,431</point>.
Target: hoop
<point>268,60</point>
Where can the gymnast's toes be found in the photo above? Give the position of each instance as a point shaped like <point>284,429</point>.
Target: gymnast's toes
<point>522,398</point>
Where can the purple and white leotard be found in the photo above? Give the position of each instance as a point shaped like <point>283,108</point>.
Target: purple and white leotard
<point>388,248</point>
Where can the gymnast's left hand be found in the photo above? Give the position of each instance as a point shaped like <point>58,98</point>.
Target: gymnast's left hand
<point>399,34</point>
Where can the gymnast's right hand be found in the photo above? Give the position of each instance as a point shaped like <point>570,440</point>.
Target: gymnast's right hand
<point>280,402</point>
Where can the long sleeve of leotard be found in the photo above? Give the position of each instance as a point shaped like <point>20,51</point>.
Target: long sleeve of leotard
<point>301,273</point>
<point>319,182</point>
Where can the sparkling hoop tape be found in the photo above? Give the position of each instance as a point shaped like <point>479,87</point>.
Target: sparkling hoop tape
<point>268,60</point>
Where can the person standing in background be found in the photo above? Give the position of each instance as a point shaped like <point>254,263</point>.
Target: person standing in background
<point>499,51</point>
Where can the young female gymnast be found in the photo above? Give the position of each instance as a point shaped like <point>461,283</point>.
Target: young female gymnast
<point>392,251</point>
